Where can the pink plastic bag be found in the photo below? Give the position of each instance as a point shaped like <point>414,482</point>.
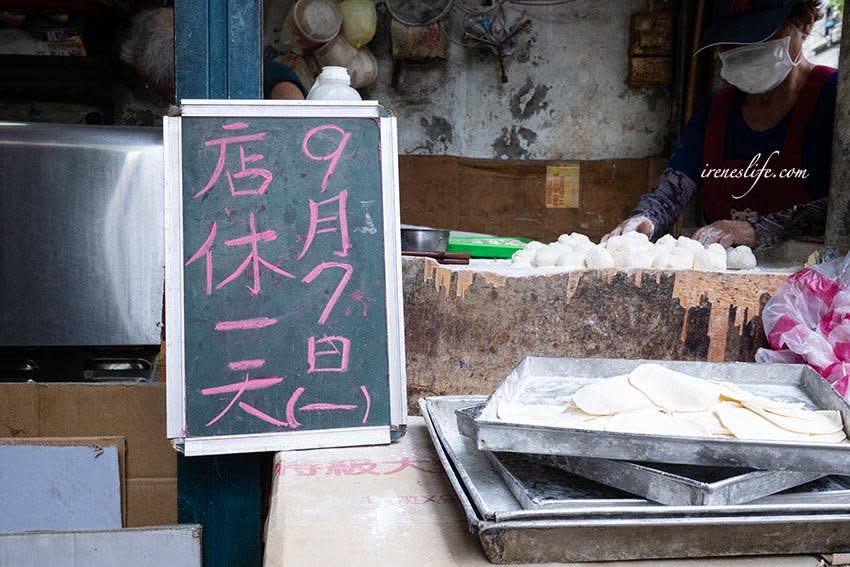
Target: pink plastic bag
<point>808,321</point>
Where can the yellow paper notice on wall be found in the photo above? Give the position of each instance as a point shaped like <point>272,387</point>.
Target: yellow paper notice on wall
<point>562,186</point>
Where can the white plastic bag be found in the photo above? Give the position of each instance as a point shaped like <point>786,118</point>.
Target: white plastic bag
<point>808,320</point>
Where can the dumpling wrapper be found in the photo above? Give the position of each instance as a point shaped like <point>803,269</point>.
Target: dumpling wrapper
<point>745,424</point>
<point>654,422</point>
<point>708,420</point>
<point>546,415</point>
<point>674,391</point>
<point>611,396</point>
<point>734,392</point>
<point>802,421</point>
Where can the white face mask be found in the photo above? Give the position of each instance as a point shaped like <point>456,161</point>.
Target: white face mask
<point>758,67</point>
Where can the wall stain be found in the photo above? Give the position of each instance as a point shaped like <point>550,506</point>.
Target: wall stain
<point>514,143</point>
<point>529,100</point>
<point>439,134</point>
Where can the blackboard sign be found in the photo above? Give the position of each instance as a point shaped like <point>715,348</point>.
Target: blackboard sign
<point>283,288</point>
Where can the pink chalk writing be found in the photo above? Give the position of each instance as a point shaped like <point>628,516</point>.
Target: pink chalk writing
<point>339,347</point>
<point>365,393</point>
<point>244,160</point>
<point>327,407</point>
<point>245,324</point>
<point>252,364</point>
<point>253,384</point>
<point>251,410</point>
<point>290,408</point>
<point>205,251</point>
<point>309,278</point>
<point>253,259</point>
<point>241,388</point>
<point>235,126</point>
<point>333,156</point>
<point>359,297</point>
<point>316,221</point>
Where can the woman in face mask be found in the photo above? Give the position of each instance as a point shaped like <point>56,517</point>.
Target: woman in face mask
<point>760,148</point>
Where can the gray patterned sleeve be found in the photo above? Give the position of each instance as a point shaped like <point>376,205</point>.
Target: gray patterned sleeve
<point>789,224</point>
<point>666,200</point>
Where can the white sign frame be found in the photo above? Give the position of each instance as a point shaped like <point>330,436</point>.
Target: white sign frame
<point>174,258</point>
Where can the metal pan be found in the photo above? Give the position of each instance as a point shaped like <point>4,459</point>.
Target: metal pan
<point>674,485</point>
<point>511,534</point>
<point>554,380</point>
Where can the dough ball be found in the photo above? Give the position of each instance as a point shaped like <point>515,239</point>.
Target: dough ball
<point>599,258</point>
<point>666,241</point>
<point>578,238</point>
<point>570,260</point>
<point>534,246</point>
<point>546,257</point>
<point>675,259</point>
<point>614,243</point>
<point>637,237</point>
<point>564,239</point>
<point>521,254</point>
<point>636,256</point>
<point>710,259</point>
<point>716,247</point>
<point>689,244</point>
<point>741,258</point>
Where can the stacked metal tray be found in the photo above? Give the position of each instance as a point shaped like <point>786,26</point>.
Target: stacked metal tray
<point>554,380</point>
<point>674,485</point>
<point>585,521</point>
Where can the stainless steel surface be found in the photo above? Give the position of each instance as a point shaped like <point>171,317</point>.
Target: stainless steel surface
<point>422,239</point>
<point>554,381</point>
<point>81,235</point>
<point>674,485</point>
<point>537,484</point>
<point>510,534</point>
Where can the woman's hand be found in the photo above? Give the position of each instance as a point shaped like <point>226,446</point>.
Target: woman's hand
<point>728,233</point>
<point>632,224</point>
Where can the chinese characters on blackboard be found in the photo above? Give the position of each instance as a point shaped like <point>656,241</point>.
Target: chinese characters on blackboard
<point>328,353</point>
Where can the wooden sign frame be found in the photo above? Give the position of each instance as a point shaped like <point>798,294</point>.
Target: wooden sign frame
<point>174,284</point>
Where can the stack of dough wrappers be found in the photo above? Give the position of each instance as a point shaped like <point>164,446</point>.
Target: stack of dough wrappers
<point>656,400</point>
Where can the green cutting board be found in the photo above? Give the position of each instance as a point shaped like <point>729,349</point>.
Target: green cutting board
<point>486,246</point>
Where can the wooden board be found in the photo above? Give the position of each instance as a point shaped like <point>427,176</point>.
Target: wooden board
<point>466,330</point>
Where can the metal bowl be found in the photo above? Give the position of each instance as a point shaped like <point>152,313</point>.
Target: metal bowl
<point>421,239</point>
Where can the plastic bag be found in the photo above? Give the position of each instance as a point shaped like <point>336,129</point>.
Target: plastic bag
<point>359,20</point>
<point>808,320</point>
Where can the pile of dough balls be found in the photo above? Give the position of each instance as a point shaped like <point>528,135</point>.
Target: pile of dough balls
<point>633,250</point>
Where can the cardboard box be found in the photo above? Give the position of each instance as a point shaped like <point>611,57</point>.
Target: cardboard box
<point>166,546</point>
<point>135,412</point>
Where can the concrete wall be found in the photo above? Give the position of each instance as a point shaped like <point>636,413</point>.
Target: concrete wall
<point>566,98</point>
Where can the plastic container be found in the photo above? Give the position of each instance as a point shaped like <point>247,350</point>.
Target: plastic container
<point>333,83</point>
<point>336,53</point>
<point>363,68</point>
<point>359,21</point>
<point>311,23</point>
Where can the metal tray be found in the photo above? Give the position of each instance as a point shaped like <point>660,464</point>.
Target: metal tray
<point>537,484</point>
<point>554,380</point>
<point>593,528</point>
<point>674,485</point>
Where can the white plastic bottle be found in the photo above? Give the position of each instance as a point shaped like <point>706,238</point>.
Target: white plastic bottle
<point>333,83</point>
